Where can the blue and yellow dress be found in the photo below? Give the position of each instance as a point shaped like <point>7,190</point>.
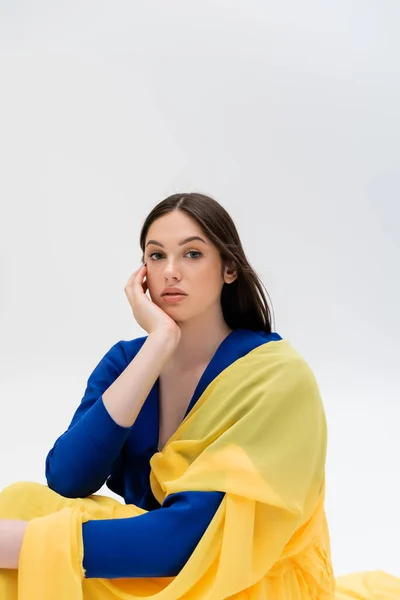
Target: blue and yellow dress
<point>232,507</point>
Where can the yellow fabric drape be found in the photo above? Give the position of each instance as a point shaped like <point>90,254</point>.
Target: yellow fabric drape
<point>257,433</point>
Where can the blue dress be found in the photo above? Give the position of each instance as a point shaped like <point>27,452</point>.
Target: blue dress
<point>95,450</point>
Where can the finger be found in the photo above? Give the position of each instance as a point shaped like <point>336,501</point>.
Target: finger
<point>136,281</point>
<point>133,276</point>
<point>139,275</point>
<point>137,271</point>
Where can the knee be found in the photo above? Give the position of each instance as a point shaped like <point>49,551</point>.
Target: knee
<point>22,500</point>
<point>21,488</point>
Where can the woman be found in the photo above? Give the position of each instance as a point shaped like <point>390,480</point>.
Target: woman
<point>212,430</point>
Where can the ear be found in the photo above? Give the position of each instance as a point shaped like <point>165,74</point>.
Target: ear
<point>230,273</point>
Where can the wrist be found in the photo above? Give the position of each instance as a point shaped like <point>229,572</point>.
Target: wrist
<point>167,338</point>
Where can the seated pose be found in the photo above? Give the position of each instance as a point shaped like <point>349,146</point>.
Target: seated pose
<point>212,430</point>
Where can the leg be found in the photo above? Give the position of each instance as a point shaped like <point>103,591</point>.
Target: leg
<point>19,501</point>
<point>27,500</point>
<point>12,534</point>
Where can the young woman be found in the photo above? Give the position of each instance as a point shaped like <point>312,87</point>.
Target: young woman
<point>212,430</point>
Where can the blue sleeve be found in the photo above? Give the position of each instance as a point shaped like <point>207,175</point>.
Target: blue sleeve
<point>155,544</point>
<point>82,458</point>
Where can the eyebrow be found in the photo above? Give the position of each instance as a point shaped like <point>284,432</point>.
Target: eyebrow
<point>181,243</point>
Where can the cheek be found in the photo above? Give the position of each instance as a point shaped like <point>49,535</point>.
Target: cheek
<point>150,275</point>
<point>209,286</point>
<point>150,283</point>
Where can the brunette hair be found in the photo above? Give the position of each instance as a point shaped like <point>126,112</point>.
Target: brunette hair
<point>244,304</point>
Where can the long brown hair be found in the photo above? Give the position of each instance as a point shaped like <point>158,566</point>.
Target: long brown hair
<point>243,301</point>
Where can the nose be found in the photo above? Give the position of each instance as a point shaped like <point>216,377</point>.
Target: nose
<point>171,271</point>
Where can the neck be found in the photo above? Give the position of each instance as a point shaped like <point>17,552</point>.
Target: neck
<point>199,341</point>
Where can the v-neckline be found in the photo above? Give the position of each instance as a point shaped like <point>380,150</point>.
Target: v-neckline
<point>191,403</point>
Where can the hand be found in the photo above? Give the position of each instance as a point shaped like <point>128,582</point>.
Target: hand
<point>147,314</point>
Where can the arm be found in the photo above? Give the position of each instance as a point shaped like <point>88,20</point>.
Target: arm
<point>82,458</point>
<point>155,544</point>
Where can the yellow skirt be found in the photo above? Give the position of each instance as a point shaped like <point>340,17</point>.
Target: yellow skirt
<point>16,503</point>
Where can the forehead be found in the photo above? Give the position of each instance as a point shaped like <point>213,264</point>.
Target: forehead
<point>173,226</point>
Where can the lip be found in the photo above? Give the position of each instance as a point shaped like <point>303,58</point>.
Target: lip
<point>173,290</point>
<point>173,298</point>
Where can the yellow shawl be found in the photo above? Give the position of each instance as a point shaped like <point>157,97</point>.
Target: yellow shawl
<point>257,433</point>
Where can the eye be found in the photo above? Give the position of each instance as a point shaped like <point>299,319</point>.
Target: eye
<point>189,252</point>
<point>152,254</point>
<point>196,252</point>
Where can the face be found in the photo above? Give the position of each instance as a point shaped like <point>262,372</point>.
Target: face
<point>194,266</point>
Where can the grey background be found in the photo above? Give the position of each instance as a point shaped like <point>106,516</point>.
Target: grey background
<point>287,113</point>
